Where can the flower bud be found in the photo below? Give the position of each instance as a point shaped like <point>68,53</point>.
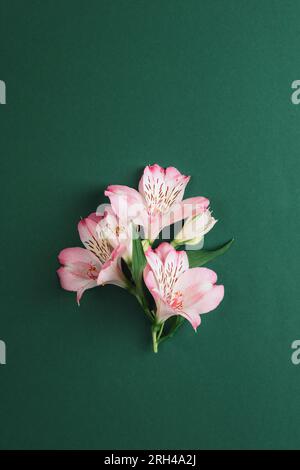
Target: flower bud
<point>195,228</point>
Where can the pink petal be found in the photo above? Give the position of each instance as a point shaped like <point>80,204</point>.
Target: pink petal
<point>70,256</point>
<point>127,204</point>
<point>154,262</point>
<point>95,217</point>
<point>166,261</point>
<point>155,175</point>
<point>153,226</point>
<point>162,187</point>
<point>203,301</point>
<point>194,278</point>
<point>153,171</point>
<point>176,263</point>
<point>194,319</point>
<point>167,255</point>
<point>173,174</point>
<point>112,229</point>
<point>73,282</point>
<point>87,228</point>
<point>186,208</point>
<point>163,250</point>
<point>80,270</point>
<point>200,293</point>
<point>194,206</point>
<point>151,283</point>
<point>165,311</point>
<point>111,272</point>
<point>163,262</point>
<point>178,211</point>
<point>177,179</point>
<point>207,302</point>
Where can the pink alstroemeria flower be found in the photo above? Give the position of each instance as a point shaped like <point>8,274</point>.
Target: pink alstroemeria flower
<point>178,290</point>
<point>112,229</point>
<point>158,203</point>
<point>96,264</point>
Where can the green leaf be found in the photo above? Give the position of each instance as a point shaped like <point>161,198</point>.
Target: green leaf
<point>138,259</point>
<point>200,257</point>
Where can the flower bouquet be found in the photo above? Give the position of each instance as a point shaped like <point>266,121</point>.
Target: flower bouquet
<point>121,247</point>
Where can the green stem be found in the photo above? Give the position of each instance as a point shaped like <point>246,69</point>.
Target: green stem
<point>160,332</point>
<point>141,300</point>
<point>144,306</point>
<point>154,340</point>
<point>156,329</point>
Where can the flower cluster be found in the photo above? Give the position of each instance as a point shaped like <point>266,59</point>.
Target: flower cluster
<point>125,232</point>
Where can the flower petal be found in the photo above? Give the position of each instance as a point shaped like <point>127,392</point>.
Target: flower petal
<point>73,282</point>
<point>194,319</point>
<point>80,270</point>
<point>127,204</point>
<point>195,228</point>
<point>178,211</point>
<point>115,232</point>
<point>186,208</point>
<point>111,272</point>
<point>163,250</point>
<point>154,261</point>
<point>71,256</point>
<point>176,263</point>
<point>172,174</point>
<point>196,277</point>
<point>200,293</point>
<point>163,310</point>
<point>161,188</point>
<point>207,302</point>
<point>87,228</point>
<point>151,283</point>
<point>164,267</point>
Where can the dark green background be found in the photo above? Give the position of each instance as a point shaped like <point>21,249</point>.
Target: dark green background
<point>95,91</point>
